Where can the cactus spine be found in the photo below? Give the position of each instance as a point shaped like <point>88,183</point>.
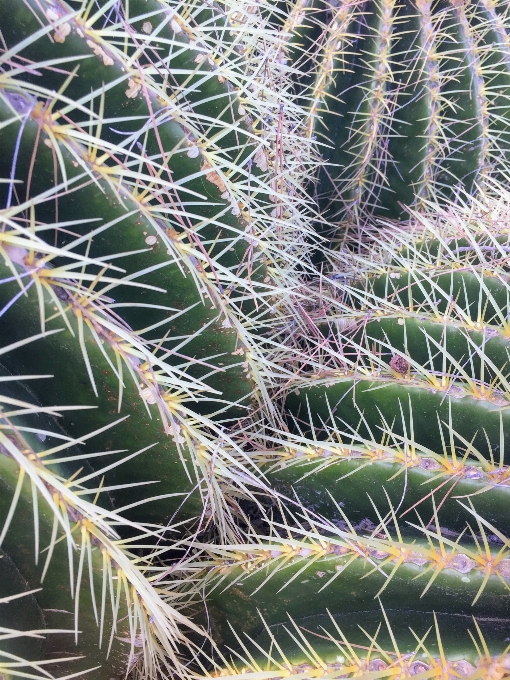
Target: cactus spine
<point>145,222</point>
<point>396,440</point>
<point>408,101</point>
<point>167,369</point>
<point>394,470</point>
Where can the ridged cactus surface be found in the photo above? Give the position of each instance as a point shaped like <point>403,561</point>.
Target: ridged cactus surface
<point>214,459</point>
<point>388,555</point>
<point>138,217</point>
<point>147,225</point>
<point>408,100</point>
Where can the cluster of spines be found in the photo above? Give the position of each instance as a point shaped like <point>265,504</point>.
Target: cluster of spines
<point>490,474</point>
<point>378,550</point>
<point>259,197</point>
<point>129,614</point>
<point>431,68</point>
<point>371,659</point>
<point>294,553</point>
<point>214,282</point>
<point>370,152</point>
<point>443,89</point>
<point>324,446</point>
<point>280,188</point>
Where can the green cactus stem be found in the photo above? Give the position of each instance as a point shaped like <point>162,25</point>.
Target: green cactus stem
<point>298,582</point>
<point>120,207</point>
<point>83,578</point>
<point>421,346</point>
<point>364,483</point>
<point>155,220</point>
<point>399,437</point>
<point>409,101</point>
<point>336,647</point>
<point>59,352</point>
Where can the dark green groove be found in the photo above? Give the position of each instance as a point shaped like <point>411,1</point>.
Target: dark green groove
<point>54,599</point>
<point>364,409</point>
<point>360,487</point>
<point>308,598</point>
<point>23,614</point>
<point>61,357</point>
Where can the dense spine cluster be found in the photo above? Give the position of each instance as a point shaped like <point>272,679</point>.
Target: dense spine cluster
<point>385,551</point>
<point>399,444</point>
<point>408,101</point>
<point>215,459</point>
<point>147,224</point>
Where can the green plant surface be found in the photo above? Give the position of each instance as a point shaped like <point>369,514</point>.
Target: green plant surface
<point>148,222</point>
<point>333,647</point>
<point>18,611</point>
<point>59,352</point>
<point>390,407</point>
<point>418,403</point>
<point>360,483</point>
<point>400,439</point>
<point>408,101</point>
<point>292,585</point>
<point>32,523</point>
<point>55,597</point>
<point>215,459</point>
<point>119,207</point>
<point>100,612</point>
<point>151,203</point>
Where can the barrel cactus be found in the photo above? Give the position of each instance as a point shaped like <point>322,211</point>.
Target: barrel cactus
<point>147,225</point>
<point>201,436</point>
<point>408,101</point>
<point>387,555</point>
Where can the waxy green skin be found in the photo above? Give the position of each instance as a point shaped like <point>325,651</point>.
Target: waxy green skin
<point>125,235</point>
<point>172,138</point>
<point>52,606</point>
<point>54,598</point>
<point>208,216</point>
<point>214,343</point>
<point>217,101</point>
<point>386,403</point>
<point>434,346</point>
<point>359,487</point>
<point>307,597</point>
<point>22,613</point>
<point>413,96</point>
<point>478,297</point>
<point>425,375</point>
<point>50,430</point>
<point>61,356</point>
<point>455,639</point>
<point>192,306</point>
<point>448,326</point>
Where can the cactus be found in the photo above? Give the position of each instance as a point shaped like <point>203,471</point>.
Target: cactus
<point>183,300</point>
<point>147,229</point>
<point>408,101</point>
<point>184,417</point>
<point>387,554</point>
